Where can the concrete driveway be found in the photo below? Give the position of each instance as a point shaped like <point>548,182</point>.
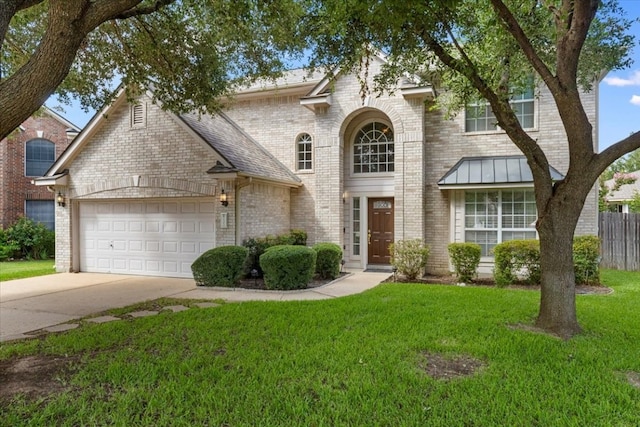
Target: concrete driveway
<point>34,303</point>
<point>28,305</point>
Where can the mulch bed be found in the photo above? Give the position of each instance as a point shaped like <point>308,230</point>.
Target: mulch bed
<point>258,283</point>
<point>489,282</point>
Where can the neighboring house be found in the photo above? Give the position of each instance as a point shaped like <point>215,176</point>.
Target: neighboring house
<point>147,191</point>
<point>28,153</point>
<point>622,190</point>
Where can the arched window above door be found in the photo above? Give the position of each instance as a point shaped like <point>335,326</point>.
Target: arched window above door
<point>373,149</point>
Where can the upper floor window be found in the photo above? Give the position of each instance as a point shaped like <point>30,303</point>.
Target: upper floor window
<point>373,149</point>
<point>40,155</point>
<point>304,147</point>
<point>479,117</point>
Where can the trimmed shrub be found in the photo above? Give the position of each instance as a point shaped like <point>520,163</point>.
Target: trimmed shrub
<point>258,245</point>
<point>465,258</point>
<point>586,257</point>
<point>298,237</point>
<point>517,261</point>
<point>29,240</point>
<point>288,267</point>
<point>328,260</point>
<point>409,257</point>
<point>221,266</point>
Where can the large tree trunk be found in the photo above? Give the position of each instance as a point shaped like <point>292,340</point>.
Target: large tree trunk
<point>557,295</point>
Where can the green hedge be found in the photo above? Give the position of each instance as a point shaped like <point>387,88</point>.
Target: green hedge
<point>221,266</point>
<point>409,257</point>
<point>586,257</point>
<point>515,259</point>
<point>288,267</point>
<point>258,245</point>
<point>27,239</point>
<point>523,257</point>
<point>465,258</point>
<point>328,260</point>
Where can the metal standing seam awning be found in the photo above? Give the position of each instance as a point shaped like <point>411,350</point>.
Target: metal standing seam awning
<point>491,171</point>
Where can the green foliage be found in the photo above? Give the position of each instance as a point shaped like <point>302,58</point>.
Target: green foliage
<point>409,257</point>
<point>634,203</point>
<point>517,261</point>
<point>586,257</point>
<point>465,258</point>
<point>328,260</point>
<point>27,239</point>
<point>288,267</point>
<point>221,266</point>
<point>258,245</point>
<point>252,39</point>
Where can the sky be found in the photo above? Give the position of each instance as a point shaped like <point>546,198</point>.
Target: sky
<point>619,95</point>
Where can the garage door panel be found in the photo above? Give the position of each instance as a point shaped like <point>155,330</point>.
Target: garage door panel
<point>170,247</point>
<point>152,246</point>
<point>145,237</point>
<point>170,226</point>
<point>152,226</point>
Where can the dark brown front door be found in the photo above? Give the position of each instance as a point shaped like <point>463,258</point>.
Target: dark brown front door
<point>380,231</point>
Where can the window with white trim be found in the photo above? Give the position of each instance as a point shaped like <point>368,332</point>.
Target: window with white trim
<point>496,216</point>
<point>373,149</point>
<point>479,117</point>
<point>356,226</point>
<point>39,156</point>
<point>304,148</point>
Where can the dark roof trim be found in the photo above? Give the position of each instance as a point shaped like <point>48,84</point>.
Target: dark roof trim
<point>491,170</point>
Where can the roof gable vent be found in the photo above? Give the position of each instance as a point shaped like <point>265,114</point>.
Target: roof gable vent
<point>138,116</point>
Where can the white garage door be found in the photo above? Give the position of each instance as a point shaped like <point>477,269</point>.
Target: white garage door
<point>151,238</point>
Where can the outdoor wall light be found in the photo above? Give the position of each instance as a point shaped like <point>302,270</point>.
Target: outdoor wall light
<point>223,198</point>
<point>60,199</point>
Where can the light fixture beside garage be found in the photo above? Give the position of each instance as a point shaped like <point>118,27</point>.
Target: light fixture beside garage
<point>223,198</point>
<point>60,200</point>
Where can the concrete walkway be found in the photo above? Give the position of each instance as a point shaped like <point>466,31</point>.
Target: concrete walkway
<point>49,303</point>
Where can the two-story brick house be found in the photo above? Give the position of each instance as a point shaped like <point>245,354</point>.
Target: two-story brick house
<point>28,153</point>
<point>147,190</point>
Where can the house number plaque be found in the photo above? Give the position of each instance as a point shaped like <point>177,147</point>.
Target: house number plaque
<point>382,204</point>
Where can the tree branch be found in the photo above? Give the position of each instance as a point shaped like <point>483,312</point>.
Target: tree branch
<point>604,159</point>
<point>521,38</point>
<point>139,11</point>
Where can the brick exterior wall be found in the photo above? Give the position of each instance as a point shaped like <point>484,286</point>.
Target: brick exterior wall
<point>163,160</point>
<point>16,187</point>
<point>159,160</point>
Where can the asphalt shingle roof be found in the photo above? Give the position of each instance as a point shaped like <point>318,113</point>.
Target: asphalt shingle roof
<point>239,149</point>
<point>626,191</point>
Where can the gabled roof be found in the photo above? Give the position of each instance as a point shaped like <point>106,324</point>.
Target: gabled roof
<point>626,192</point>
<point>243,155</point>
<point>241,151</point>
<point>491,170</point>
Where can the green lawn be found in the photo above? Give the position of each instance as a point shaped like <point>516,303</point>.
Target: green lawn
<point>354,361</point>
<point>10,270</point>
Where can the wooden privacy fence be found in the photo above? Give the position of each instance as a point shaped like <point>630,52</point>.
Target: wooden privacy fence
<point>620,240</point>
